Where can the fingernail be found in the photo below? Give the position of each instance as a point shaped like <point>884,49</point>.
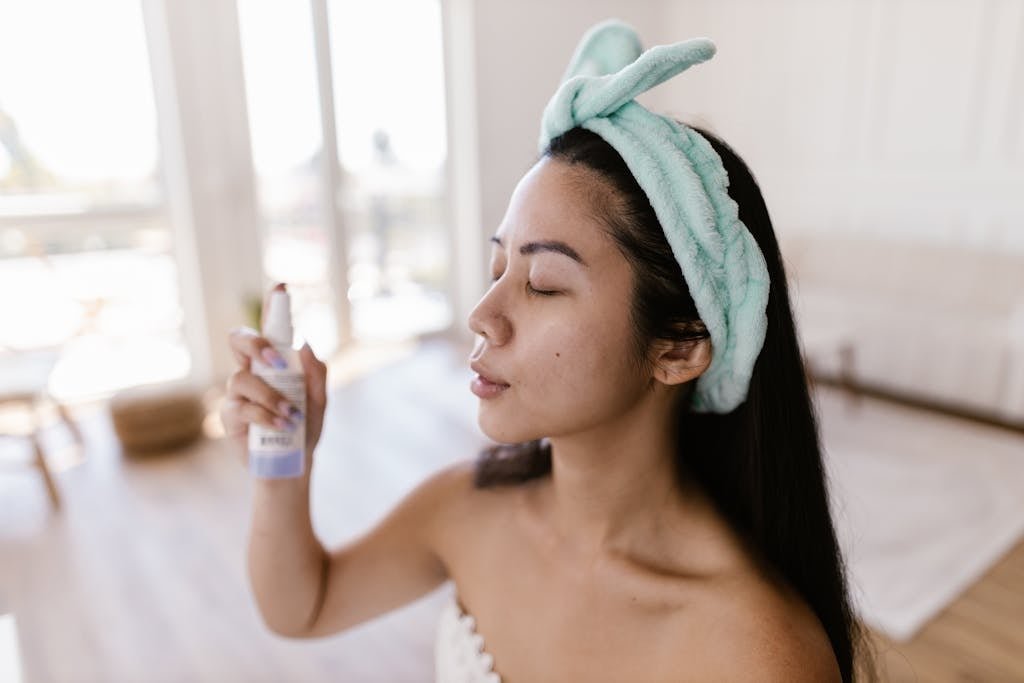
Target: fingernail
<point>282,424</point>
<point>285,408</point>
<point>274,358</point>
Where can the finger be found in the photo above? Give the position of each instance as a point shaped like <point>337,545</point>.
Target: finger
<point>230,416</point>
<point>316,373</point>
<point>247,345</point>
<point>244,384</point>
<point>251,413</point>
<point>241,358</point>
<point>238,414</point>
<point>311,365</point>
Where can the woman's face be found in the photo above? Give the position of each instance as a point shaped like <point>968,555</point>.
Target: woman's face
<point>566,356</point>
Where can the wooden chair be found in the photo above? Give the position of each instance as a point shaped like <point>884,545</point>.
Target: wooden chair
<point>24,380</point>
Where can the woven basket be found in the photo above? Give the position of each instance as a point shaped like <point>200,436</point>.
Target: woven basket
<point>156,418</point>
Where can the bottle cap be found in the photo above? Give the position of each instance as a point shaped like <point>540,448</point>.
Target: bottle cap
<point>277,327</point>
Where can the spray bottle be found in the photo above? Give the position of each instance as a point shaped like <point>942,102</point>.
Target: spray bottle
<point>276,453</point>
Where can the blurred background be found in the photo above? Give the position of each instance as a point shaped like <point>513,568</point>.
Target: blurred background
<point>164,162</point>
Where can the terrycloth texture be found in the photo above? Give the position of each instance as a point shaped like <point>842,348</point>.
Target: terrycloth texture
<point>686,184</point>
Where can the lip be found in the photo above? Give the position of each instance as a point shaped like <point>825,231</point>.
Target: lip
<point>486,385</point>
<point>486,375</point>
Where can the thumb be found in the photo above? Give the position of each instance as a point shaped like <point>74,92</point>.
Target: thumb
<point>316,371</point>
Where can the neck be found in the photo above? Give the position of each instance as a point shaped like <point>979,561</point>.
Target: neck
<point>614,486</point>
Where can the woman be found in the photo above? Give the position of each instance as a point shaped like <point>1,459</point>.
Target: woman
<point>635,522</point>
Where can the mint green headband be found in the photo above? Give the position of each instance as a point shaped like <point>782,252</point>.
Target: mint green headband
<point>686,184</point>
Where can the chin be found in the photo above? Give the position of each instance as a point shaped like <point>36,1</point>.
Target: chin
<point>501,429</point>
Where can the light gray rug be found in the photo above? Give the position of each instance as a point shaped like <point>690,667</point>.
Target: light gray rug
<point>924,506</point>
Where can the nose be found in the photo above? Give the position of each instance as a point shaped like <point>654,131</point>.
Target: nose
<point>487,320</point>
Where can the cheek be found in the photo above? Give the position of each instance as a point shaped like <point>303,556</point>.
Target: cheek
<point>581,370</point>
<point>571,375</point>
<point>599,341</point>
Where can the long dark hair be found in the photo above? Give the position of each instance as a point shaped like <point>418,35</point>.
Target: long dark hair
<point>761,464</point>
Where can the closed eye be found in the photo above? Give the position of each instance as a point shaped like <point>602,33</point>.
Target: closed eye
<point>531,290</point>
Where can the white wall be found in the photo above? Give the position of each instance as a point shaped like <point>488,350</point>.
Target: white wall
<point>899,118</point>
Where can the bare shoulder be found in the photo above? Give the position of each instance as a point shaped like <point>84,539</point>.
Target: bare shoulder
<point>470,521</point>
<point>454,477</point>
<point>458,506</point>
<point>448,491</point>
<point>751,627</point>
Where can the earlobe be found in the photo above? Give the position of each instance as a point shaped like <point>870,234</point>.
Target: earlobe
<point>681,361</point>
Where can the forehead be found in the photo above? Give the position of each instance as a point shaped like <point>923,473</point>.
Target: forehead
<point>555,201</point>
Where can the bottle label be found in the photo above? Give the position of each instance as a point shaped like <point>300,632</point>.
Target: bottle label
<point>277,453</point>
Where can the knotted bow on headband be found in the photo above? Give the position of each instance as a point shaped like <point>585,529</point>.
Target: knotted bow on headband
<point>685,182</point>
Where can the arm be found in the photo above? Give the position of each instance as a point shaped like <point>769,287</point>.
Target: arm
<point>305,591</point>
<point>285,560</point>
<point>301,589</point>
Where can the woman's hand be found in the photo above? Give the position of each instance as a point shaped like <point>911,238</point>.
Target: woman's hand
<point>251,400</point>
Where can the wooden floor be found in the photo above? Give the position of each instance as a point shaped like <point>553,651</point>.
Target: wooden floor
<point>141,576</point>
<point>980,637</point>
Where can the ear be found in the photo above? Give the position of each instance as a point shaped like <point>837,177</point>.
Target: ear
<point>678,362</point>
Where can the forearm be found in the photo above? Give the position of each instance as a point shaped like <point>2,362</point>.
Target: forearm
<point>286,561</point>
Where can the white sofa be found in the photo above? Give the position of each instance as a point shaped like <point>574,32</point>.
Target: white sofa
<point>933,323</point>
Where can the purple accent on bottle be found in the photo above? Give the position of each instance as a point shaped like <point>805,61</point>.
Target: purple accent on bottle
<point>276,466</point>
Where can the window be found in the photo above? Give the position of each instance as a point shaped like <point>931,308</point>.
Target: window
<point>85,252</point>
<point>389,124</point>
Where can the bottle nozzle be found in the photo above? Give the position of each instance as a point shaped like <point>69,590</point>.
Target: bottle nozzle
<point>277,327</point>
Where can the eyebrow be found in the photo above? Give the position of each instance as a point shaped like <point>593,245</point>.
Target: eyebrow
<point>547,245</point>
